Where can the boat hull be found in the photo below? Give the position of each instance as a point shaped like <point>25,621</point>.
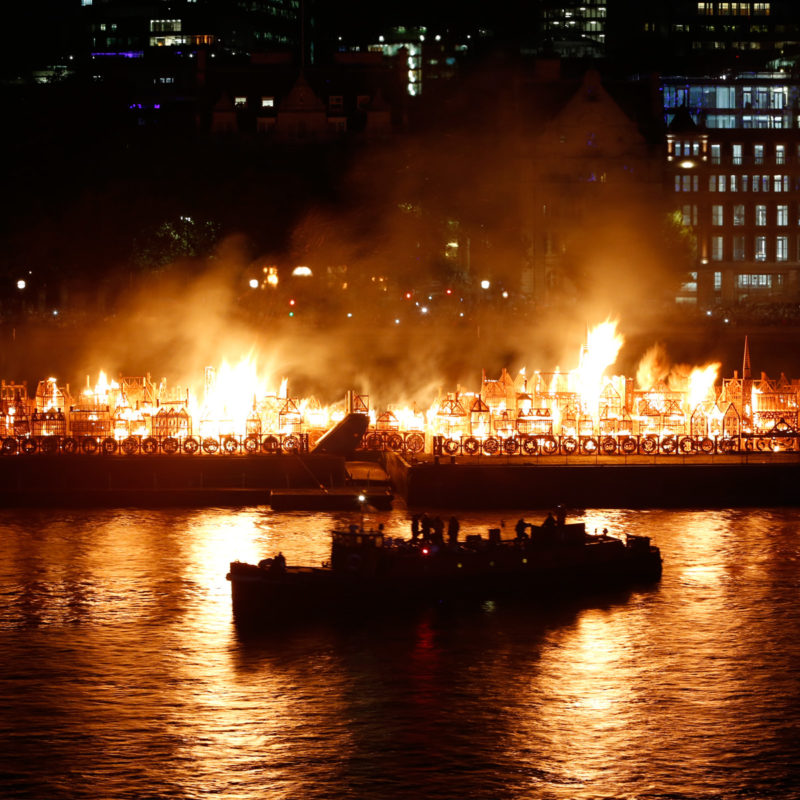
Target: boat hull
<point>451,576</point>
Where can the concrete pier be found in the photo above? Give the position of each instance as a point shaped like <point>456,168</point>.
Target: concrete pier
<point>597,483</point>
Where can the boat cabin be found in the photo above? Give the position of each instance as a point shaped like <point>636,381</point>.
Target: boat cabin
<point>356,549</point>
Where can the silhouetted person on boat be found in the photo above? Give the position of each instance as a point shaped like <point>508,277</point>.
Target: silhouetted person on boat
<point>549,520</point>
<point>425,524</point>
<point>279,563</point>
<point>453,527</point>
<point>520,529</point>
<point>438,530</point>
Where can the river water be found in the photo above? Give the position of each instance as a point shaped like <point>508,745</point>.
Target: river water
<point>122,674</point>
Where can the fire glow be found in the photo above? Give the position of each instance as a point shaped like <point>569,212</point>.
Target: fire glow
<point>236,408</point>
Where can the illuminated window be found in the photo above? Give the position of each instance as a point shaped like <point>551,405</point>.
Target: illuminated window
<point>761,248</point>
<point>716,248</point>
<point>717,281</point>
<point>761,8</point>
<point>737,154</point>
<point>706,9</point>
<point>240,101</point>
<point>738,215</point>
<point>761,215</point>
<point>689,215</point>
<point>778,97</point>
<point>86,2</point>
<point>758,153</point>
<point>754,281</point>
<point>716,183</point>
<point>734,181</point>
<point>782,248</point>
<point>780,153</point>
<point>778,183</point>
<point>717,215</point>
<point>738,248</point>
<point>782,216</point>
<point>726,96</point>
<point>716,154</point>
<point>165,26</point>
<point>267,102</point>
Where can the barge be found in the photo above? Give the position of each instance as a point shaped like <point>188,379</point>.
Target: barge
<point>370,571</point>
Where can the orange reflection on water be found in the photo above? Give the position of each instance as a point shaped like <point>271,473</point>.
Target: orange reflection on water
<point>578,702</point>
<point>213,539</point>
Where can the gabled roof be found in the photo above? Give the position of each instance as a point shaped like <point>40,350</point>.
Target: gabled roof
<point>682,122</point>
<point>301,98</point>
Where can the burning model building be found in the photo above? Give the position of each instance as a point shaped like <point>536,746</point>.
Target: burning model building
<point>581,412</point>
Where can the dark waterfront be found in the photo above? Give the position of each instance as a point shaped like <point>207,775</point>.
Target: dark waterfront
<point>122,675</point>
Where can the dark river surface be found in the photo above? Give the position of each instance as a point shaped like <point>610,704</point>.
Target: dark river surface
<point>122,674</point>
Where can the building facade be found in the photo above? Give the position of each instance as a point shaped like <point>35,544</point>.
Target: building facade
<point>733,167</point>
<point>586,174</point>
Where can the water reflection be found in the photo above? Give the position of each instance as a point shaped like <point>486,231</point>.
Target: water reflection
<point>124,675</point>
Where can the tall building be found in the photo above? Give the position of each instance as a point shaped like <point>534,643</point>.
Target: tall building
<point>131,29</point>
<point>691,37</point>
<point>733,168</point>
<point>574,28</point>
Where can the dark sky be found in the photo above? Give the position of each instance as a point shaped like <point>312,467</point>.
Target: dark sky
<point>444,14</point>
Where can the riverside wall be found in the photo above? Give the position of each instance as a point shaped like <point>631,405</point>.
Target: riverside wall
<point>78,479</point>
<point>433,484</point>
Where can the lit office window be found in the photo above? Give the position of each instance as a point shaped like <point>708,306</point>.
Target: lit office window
<point>758,153</point>
<point>165,26</point>
<point>754,281</point>
<point>761,248</point>
<point>737,154</point>
<point>716,248</point>
<point>782,248</point>
<point>717,215</point>
<point>761,215</point>
<point>782,216</point>
<point>780,153</point>
<point>738,215</point>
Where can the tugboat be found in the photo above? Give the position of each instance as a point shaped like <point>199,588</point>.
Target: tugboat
<point>371,571</point>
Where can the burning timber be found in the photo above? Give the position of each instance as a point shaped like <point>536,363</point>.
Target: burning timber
<point>133,437</point>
